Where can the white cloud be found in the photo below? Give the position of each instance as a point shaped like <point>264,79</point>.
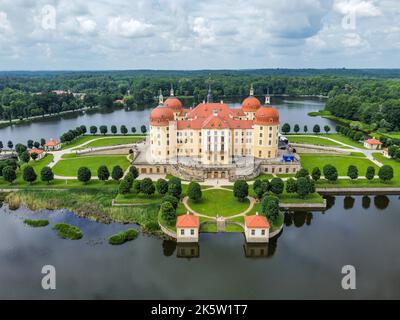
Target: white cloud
<point>129,28</point>
<point>4,23</point>
<point>362,8</point>
<point>87,26</point>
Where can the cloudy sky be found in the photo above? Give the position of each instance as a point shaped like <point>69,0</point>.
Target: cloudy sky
<point>198,34</point>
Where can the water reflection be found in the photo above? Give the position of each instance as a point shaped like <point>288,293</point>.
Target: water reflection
<point>366,202</point>
<point>169,247</point>
<point>297,218</point>
<point>187,250</point>
<point>260,250</point>
<point>348,202</point>
<point>381,202</point>
<point>330,202</point>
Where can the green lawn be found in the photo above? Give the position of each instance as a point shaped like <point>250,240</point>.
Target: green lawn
<point>344,139</point>
<point>85,138</point>
<point>113,141</point>
<point>69,167</point>
<point>310,161</point>
<point>312,140</point>
<point>218,202</point>
<point>138,198</point>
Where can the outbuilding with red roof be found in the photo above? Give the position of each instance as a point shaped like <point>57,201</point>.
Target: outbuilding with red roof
<point>372,144</point>
<point>187,228</point>
<point>256,228</point>
<point>52,145</point>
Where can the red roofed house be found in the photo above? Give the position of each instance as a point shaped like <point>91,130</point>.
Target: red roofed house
<point>187,228</point>
<point>372,144</point>
<point>39,152</point>
<point>256,228</point>
<point>52,145</point>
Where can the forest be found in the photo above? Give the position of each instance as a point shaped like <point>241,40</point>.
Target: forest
<point>368,95</point>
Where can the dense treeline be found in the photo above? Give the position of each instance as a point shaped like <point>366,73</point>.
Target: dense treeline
<point>374,102</point>
<point>364,95</point>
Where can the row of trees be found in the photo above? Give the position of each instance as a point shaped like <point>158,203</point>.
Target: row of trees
<point>9,174</point>
<point>113,129</point>
<point>296,128</point>
<point>350,133</point>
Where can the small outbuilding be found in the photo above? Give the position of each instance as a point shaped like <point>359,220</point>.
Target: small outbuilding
<point>386,153</point>
<point>40,153</point>
<point>256,229</point>
<point>373,144</point>
<point>187,228</point>
<point>52,145</point>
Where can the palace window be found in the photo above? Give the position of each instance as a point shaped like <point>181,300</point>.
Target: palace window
<point>192,232</point>
<point>253,232</point>
<point>263,232</point>
<point>269,142</point>
<point>260,142</point>
<point>182,232</point>
<point>259,153</point>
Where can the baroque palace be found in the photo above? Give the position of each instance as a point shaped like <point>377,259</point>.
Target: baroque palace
<point>213,140</point>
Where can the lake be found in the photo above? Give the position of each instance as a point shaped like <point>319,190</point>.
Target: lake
<point>304,262</point>
<point>292,110</point>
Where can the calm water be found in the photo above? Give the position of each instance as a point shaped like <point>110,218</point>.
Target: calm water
<point>304,262</point>
<point>292,110</point>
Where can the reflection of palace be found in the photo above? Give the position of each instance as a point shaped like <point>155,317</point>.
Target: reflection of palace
<point>213,140</point>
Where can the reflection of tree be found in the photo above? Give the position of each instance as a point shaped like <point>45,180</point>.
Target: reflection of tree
<point>348,202</point>
<point>169,247</point>
<point>298,218</point>
<point>366,202</point>
<point>272,245</point>
<point>330,202</point>
<point>381,202</point>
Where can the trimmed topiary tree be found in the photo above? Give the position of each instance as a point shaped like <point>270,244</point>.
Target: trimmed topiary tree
<point>134,171</point>
<point>103,173</point>
<point>46,174</point>
<point>296,128</point>
<point>25,157</point>
<point>277,186</point>
<point>291,186</point>
<point>162,186</point>
<point>352,172</point>
<point>147,187</point>
<point>316,174</point>
<point>330,173</point>
<point>194,191</point>
<point>302,173</point>
<point>9,174</point>
<point>117,173</point>
<point>303,187</point>
<point>135,187</point>
<point>29,175</point>
<point>286,128</point>
<point>317,129</point>
<point>124,187</point>
<point>240,190</point>
<point>370,174</point>
<point>84,174</point>
<point>175,187</point>
<point>386,173</point>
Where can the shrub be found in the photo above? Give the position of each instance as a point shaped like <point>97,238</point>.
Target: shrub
<point>302,173</point>
<point>168,213</point>
<point>316,129</point>
<point>29,175</point>
<point>352,172</point>
<point>175,187</point>
<point>303,187</point>
<point>117,173</point>
<point>36,223</point>
<point>9,174</point>
<point>147,186</point>
<point>67,231</point>
<point>134,171</point>
<point>171,199</point>
<point>124,187</point>
<point>103,173</point>
<point>123,236</point>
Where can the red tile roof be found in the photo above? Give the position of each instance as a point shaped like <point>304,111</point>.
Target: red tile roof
<point>35,150</point>
<point>373,141</point>
<point>256,221</point>
<point>51,143</point>
<point>187,221</point>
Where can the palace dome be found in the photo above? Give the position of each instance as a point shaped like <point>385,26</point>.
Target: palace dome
<point>251,104</point>
<point>173,103</point>
<point>161,116</point>
<point>267,116</point>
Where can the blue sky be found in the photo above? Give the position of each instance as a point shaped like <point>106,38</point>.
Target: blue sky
<point>193,34</point>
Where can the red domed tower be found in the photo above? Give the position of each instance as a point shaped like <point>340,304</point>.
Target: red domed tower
<point>267,116</point>
<point>173,102</point>
<point>250,105</point>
